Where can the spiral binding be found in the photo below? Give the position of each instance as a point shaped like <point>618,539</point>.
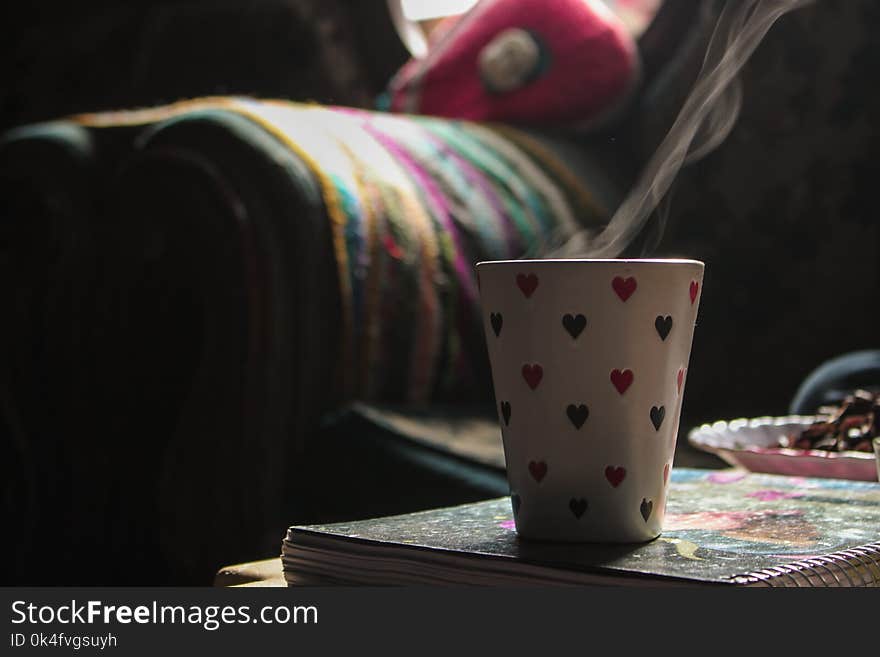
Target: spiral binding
<point>859,566</point>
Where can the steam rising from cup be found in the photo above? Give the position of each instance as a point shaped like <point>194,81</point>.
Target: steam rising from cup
<point>704,121</point>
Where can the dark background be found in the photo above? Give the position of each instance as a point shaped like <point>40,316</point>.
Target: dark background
<point>66,57</point>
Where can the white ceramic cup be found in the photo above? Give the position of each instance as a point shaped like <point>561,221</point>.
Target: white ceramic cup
<point>589,360</point>
<point>876,443</point>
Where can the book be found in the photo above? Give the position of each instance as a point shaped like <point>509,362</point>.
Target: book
<point>723,528</point>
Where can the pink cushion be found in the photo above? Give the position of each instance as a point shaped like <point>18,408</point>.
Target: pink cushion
<point>523,61</point>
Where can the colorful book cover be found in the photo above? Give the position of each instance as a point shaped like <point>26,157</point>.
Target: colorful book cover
<point>722,527</point>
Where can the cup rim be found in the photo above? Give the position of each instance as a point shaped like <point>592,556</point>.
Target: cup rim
<point>628,261</point>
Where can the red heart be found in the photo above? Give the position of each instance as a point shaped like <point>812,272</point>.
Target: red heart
<point>532,374</point>
<point>615,475</point>
<point>527,283</point>
<point>695,287</point>
<point>665,473</point>
<point>538,470</point>
<point>680,377</point>
<point>624,287</point>
<point>621,380</point>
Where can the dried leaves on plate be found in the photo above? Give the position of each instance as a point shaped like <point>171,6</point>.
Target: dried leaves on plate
<point>848,427</point>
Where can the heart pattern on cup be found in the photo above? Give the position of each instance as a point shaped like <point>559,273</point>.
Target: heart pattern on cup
<point>578,506</point>
<point>505,412</point>
<point>657,415</point>
<point>615,475</point>
<point>624,287</point>
<point>574,324</point>
<point>622,379</point>
<point>532,374</point>
<point>663,325</point>
<point>577,414</point>
<point>527,283</point>
<point>538,470</point>
<point>554,309</point>
<point>497,322</point>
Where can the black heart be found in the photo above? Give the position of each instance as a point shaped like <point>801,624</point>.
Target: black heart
<point>577,506</point>
<point>647,507</point>
<point>497,321</point>
<point>663,325</point>
<point>515,502</point>
<point>505,412</point>
<point>657,415</point>
<point>574,324</point>
<point>577,414</point>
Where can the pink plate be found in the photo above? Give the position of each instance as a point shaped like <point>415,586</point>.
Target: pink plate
<point>752,444</point>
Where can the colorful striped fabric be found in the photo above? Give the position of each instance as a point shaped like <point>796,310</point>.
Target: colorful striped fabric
<point>413,203</point>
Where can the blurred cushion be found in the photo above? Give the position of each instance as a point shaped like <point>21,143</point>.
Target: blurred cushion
<point>523,61</point>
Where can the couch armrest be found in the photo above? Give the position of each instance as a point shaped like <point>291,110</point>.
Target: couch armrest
<point>214,329</point>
